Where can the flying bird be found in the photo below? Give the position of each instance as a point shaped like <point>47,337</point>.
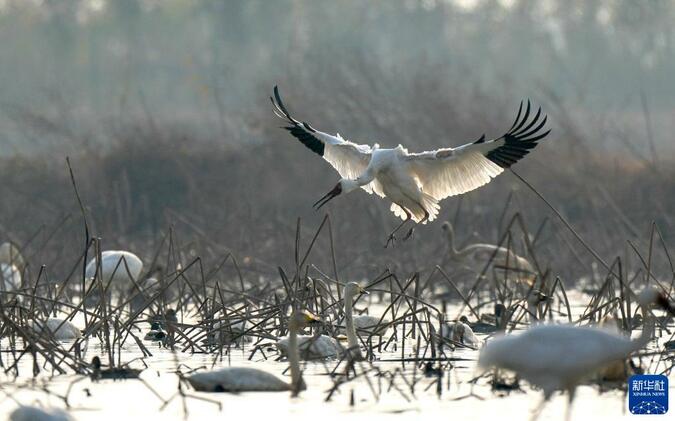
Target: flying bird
<point>415,183</point>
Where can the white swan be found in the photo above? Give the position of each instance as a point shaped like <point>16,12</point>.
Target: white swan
<point>352,289</point>
<point>559,357</point>
<point>505,262</point>
<point>114,264</point>
<point>619,370</point>
<point>33,413</point>
<point>245,379</point>
<point>366,324</point>
<point>363,324</point>
<point>61,329</point>
<point>461,333</point>
<point>311,347</point>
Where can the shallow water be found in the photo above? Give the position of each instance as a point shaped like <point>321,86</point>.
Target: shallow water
<point>132,399</point>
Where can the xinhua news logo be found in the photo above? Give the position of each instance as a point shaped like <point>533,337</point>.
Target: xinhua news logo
<point>648,394</point>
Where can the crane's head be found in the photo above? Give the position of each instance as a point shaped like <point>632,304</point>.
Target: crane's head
<point>343,186</point>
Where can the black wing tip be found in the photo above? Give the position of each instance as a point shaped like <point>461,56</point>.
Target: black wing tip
<point>522,131</point>
<point>278,96</point>
<point>280,107</point>
<point>301,131</point>
<point>521,138</point>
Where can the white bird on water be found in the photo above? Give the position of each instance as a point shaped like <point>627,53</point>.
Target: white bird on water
<point>245,379</point>
<point>311,347</point>
<point>416,182</point>
<point>460,333</point>
<point>361,324</point>
<point>33,413</point>
<point>117,266</point>
<point>559,357</point>
<point>352,289</point>
<point>60,329</point>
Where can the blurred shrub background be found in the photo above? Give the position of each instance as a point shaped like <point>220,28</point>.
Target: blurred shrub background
<point>163,109</point>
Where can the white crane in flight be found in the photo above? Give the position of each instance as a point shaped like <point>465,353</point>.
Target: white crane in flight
<point>416,182</point>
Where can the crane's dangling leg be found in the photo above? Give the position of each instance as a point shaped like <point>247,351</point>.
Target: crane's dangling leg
<point>392,237</point>
<point>411,231</point>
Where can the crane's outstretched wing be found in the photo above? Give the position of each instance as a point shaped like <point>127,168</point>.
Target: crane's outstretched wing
<point>452,171</point>
<point>348,158</point>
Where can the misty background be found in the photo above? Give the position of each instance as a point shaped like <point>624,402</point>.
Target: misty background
<point>163,108</point>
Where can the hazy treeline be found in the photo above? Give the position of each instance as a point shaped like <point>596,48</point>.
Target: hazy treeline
<point>163,108</point>
<point>205,65</point>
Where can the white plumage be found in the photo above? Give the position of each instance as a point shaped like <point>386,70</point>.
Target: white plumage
<point>460,333</point>
<point>244,379</point>
<point>33,413</point>
<point>559,357</point>
<point>312,347</point>
<point>503,261</point>
<point>619,370</point>
<point>366,324</point>
<point>416,182</point>
<point>237,379</point>
<point>61,329</point>
<point>114,264</point>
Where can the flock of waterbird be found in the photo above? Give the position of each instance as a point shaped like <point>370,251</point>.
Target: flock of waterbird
<point>305,321</point>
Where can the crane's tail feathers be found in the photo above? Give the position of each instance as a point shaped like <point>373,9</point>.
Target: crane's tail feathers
<point>398,211</point>
<point>417,213</point>
<point>430,203</point>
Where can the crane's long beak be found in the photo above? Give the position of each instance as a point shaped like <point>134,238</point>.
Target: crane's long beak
<point>328,196</point>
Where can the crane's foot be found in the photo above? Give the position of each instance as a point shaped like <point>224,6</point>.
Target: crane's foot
<point>409,234</point>
<point>391,240</point>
